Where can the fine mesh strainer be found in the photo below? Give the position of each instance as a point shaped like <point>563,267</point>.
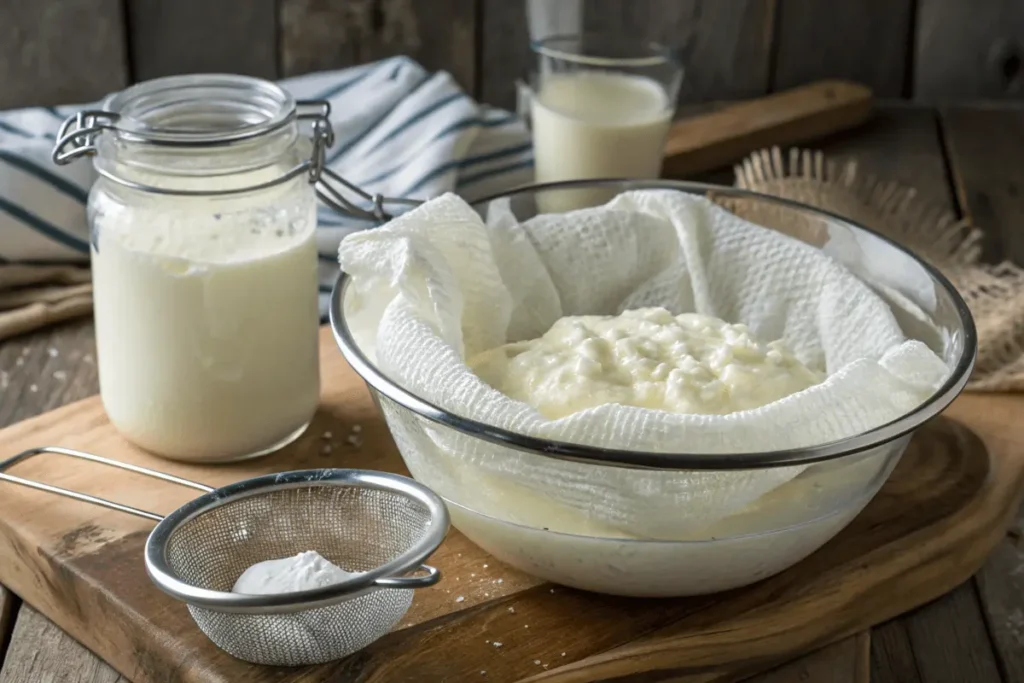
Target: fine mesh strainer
<point>379,524</point>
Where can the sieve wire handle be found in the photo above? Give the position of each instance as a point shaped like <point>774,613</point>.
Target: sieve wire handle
<point>432,576</point>
<point>84,497</point>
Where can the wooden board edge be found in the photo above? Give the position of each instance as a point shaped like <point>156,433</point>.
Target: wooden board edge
<point>90,604</point>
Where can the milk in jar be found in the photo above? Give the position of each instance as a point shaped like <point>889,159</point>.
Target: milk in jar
<point>206,326</point>
<point>204,263</point>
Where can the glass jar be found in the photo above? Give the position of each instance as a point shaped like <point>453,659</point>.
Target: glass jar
<point>204,262</point>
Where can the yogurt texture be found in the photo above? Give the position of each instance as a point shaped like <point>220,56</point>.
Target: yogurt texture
<point>648,358</point>
<point>306,571</point>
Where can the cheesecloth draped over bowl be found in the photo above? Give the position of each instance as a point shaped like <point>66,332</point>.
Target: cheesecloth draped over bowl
<point>438,285</point>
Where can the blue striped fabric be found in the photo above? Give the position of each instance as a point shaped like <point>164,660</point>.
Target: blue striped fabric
<point>400,131</point>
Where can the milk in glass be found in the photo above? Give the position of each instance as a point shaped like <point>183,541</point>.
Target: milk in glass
<point>596,124</point>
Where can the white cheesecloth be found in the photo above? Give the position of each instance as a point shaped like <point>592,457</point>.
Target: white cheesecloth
<point>438,285</point>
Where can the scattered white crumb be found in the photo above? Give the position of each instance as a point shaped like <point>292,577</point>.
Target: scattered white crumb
<point>544,665</point>
<point>459,599</point>
<point>511,610</point>
<point>33,388</point>
<point>25,350</point>
<point>326,449</point>
<point>20,361</point>
<point>552,590</point>
<point>563,654</point>
<point>1015,624</point>
<point>537,662</point>
<point>4,380</point>
<point>471,575</point>
<point>483,672</point>
<point>458,554</point>
<point>60,375</point>
<point>354,440</point>
<point>485,566</point>
<point>500,581</point>
<point>53,352</point>
<point>357,428</point>
<point>526,626</point>
<point>487,595</point>
<point>496,644</point>
<point>87,359</point>
<point>326,435</point>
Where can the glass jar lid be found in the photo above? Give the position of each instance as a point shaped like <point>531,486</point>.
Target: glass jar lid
<point>194,125</point>
<point>215,109</point>
<point>218,123</point>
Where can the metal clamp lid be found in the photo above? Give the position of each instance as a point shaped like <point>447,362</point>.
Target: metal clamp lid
<point>78,134</point>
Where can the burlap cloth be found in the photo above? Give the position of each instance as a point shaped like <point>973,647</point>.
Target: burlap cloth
<point>994,292</point>
<point>36,296</point>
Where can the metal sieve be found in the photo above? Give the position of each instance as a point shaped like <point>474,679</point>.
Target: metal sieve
<point>379,524</point>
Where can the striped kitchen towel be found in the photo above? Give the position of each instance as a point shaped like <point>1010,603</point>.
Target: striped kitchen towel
<point>400,131</point>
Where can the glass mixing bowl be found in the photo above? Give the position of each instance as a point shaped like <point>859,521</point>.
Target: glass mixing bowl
<point>523,529</point>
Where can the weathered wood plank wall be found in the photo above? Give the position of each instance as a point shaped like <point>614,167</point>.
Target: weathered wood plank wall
<point>71,51</point>
<point>167,37</point>
<point>867,41</point>
<point>970,49</point>
<point>71,55</point>
<point>327,34</point>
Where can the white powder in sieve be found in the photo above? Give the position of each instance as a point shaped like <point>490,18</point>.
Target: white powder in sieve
<point>305,571</point>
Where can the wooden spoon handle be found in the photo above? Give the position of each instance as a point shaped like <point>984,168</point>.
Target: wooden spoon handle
<point>709,141</point>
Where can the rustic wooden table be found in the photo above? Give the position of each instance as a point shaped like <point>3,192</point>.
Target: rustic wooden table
<point>966,158</point>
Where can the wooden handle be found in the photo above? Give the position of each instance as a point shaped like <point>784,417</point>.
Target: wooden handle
<point>709,141</point>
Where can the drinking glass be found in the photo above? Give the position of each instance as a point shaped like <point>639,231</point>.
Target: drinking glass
<point>598,108</point>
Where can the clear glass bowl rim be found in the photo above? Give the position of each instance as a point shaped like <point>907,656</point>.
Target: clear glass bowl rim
<point>596,455</point>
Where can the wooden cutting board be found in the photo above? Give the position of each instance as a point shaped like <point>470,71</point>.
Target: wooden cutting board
<point>945,506</point>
